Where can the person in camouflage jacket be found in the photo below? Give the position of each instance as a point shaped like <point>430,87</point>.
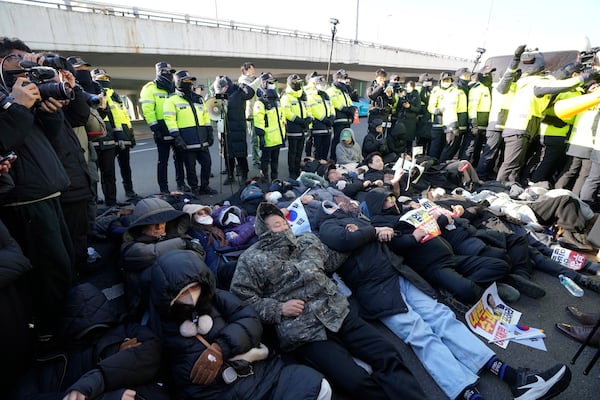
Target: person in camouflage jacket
<point>285,278</point>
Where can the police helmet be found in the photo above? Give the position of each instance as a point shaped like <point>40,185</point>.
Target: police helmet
<point>184,81</point>
<point>532,63</point>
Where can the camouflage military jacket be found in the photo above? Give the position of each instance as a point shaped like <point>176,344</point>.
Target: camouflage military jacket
<point>277,269</point>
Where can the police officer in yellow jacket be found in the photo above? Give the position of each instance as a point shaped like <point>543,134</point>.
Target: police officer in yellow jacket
<point>298,120</point>
<point>117,117</point>
<point>442,106</point>
<point>534,93</point>
<point>554,131</point>
<point>323,113</point>
<point>152,97</point>
<point>586,131</point>
<point>339,94</point>
<point>188,122</point>
<point>269,125</point>
<point>503,94</point>
<point>480,104</point>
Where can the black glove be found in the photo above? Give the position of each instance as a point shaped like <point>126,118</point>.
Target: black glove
<point>519,52</point>
<point>327,121</point>
<point>158,134</point>
<point>194,245</point>
<point>210,140</point>
<point>349,111</point>
<point>261,137</point>
<point>589,75</point>
<point>179,143</point>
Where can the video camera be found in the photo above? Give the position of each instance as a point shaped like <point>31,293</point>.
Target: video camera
<point>588,57</point>
<point>44,78</point>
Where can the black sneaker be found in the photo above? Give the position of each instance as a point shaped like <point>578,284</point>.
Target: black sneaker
<point>508,293</point>
<point>588,282</point>
<point>532,385</point>
<point>207,190</point>
<point>526,286</point>
<point>184,188</point>
<point>130,194</point>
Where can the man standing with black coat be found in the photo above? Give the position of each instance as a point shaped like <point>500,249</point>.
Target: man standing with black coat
<point>32,210</point>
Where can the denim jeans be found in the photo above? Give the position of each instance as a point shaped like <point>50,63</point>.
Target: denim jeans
<point>448,350</point>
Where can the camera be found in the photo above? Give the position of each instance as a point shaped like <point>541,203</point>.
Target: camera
<point>43,78</point>
<point>221,96</point>
<point>93,100</point>
<point>587,57</point>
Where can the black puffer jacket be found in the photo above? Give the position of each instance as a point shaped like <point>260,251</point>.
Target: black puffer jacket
<point>69,151</point>
<point>37,172</point>
<point>237,95</point>
<point>236,329</point>
<point>140,251</point>
<point>372,270</point>
<point>92,361</point>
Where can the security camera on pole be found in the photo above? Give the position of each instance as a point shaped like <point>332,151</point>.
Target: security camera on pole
<point>333,22</point>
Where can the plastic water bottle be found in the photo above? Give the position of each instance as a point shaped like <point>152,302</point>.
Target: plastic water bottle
<point>571,286</point>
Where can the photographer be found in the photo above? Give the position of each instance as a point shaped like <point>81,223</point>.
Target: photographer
<point>74,200</point>
<point>408,109</point>
<point>32,210</point>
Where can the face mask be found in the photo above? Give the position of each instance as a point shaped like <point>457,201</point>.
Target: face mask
<point>203,219</point>
<point>486,80</point>
<point>445,84</point>
<point>296,86</point>
<point>409,89</point>
<point>271,86</point>
<point>232,219</point>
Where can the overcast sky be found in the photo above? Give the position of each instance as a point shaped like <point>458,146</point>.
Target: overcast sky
<point>450,27</point>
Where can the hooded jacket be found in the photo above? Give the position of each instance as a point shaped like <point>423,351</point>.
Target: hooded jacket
<point>280,267</point>
<point>94,362</point>
<point>236,329</point>
<point>348,153</point>
<point>372,270</point>
<point>139,251</point>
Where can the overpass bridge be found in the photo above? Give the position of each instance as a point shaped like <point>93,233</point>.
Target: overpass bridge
<point>128,41</point>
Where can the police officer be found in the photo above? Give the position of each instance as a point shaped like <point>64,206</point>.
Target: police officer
<point>323,113</point>
<point>188,122</point>
<point>116,143</point>
<point>502,96</point>
<point>152,97</point>
<point>555,131</point>
<point>480,104</point>
<point>339,94</point>
<point>442,106</point>
<point>298,120</point>
<point>269,124</point>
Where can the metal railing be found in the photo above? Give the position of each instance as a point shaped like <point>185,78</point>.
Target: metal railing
<point>165,16</point>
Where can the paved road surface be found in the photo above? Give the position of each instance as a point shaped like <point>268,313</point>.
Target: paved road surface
<point>542,313</point>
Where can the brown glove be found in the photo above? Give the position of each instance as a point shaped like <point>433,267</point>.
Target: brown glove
<point>128,343</point>
<point>207,366</point>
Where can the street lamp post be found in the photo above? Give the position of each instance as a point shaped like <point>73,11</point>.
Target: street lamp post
<point>333,22</point>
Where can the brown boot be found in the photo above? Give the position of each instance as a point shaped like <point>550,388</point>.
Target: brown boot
<point>583,317</point>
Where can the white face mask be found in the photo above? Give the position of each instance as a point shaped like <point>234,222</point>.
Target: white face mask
<point>232,219</point>
<point>445,84</point>
<point>203,219</point>
<point>273,197</point>
<point>409,89</point>
<point>271,86</point>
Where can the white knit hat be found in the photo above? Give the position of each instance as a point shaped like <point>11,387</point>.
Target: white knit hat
<point>192,209</point>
